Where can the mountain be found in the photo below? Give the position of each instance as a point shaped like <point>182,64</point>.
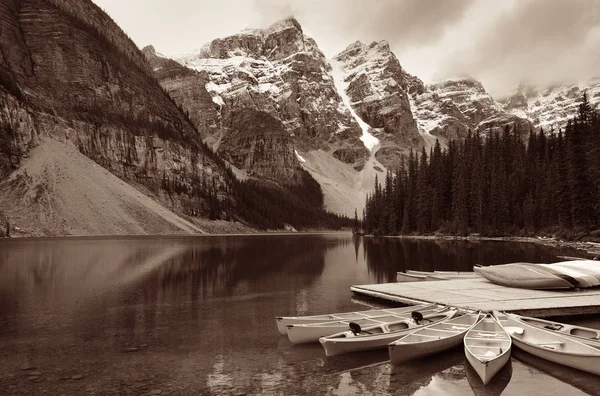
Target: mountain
<point>70,78</point>
<point>378,90</point>
<point>282,72</point>
<point>551,108</point>
<point>348,118</point>
<point>406,113</point>
<point>267,102</point>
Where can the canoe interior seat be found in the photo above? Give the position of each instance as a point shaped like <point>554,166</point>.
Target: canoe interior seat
<point>398,326</point>
<point>584,333</point>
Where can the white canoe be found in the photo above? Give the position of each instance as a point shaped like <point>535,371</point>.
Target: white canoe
<point>303,333</point>
<point>487,347</point>
<point>525,275</point>
<point>406,277</point>
<point>586,335</point>
<point>284,321</point>
<point>552,346</point>
<point>416,276</point>
<point>432,339</point>
<point>375,337</point>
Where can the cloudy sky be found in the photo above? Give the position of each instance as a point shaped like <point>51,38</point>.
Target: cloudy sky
<point>500,42</point>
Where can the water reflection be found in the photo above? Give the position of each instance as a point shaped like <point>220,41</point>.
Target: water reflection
<point>195,315</point>
<point>386,256</point>
<point>419,374</point>
<point>581,380</point>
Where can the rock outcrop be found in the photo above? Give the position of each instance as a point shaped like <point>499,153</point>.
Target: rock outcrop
<point>449,109</point>
<point>258,143</point>
<point>69,73</point>
<point>378,88</point>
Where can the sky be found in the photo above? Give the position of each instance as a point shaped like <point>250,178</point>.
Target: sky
<point>502,43</point>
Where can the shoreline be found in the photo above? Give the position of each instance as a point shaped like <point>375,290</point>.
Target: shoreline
<point>15,238</point>
<point>591,248</point>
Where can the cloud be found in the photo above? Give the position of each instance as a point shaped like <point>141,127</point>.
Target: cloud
<point>337,23</point>
<point>500,42</point>
<point>535,41</point>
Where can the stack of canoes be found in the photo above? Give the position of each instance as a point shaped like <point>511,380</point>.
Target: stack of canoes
<point>422,330</point>
<point>417,276</point>
<point>563,275</point>
<point>284,321</point>
<point>303,333</point>
<point>378,336</point>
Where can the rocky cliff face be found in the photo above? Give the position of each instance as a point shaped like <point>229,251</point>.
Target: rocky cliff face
<point>259,144</point>
<point>69,73</point>
<point>405,113</point>
<point>282,72</point>
<point>378,89</point>
<point>448,109</point>
<point>552,107</point>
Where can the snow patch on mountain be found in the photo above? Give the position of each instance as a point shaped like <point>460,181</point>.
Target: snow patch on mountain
<point>424,124</point>
<point>337,73</point>
<point>551,108</point>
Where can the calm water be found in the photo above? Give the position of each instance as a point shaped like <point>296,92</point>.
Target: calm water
<point>196,316</point>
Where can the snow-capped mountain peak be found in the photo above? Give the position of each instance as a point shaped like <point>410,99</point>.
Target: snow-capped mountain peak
<point>551,108</point>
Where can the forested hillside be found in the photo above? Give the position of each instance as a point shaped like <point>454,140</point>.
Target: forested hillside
<point>497,186</point>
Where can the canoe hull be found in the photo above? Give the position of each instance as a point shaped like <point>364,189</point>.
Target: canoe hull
<point>590,364</point>
<point>340,343</point>
<point>339,347</point>
<point>522,276</point>
<point>304,334</point>
<point>404,277</point>
<point>487,348</point>
<point>486,370</point>
<point>285,321</point>
<point>555,347</point>
<point>404,352</point>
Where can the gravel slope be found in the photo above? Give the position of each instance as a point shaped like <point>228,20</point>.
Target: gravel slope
<point>59,191</point>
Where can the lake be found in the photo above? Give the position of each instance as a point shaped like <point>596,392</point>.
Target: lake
<point>195,315</point>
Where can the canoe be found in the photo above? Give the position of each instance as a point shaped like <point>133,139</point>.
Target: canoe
<point>586,335</point>
<point>434,277</point>
<point>487,347</point>
<point>552,346</point>
<point>442,273</point>
<point>406,277</point>
<point>303,333</point>
<point>284,321</point>
<point>415,276</point>
<point>524,275</point>
<point>375,337</point>
<point>432,339</point>
<point>585,272</point>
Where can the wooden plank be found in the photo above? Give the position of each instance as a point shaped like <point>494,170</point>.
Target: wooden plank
<point>483,295</point>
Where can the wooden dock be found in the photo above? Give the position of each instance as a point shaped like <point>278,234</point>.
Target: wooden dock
<point>480,294</point>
